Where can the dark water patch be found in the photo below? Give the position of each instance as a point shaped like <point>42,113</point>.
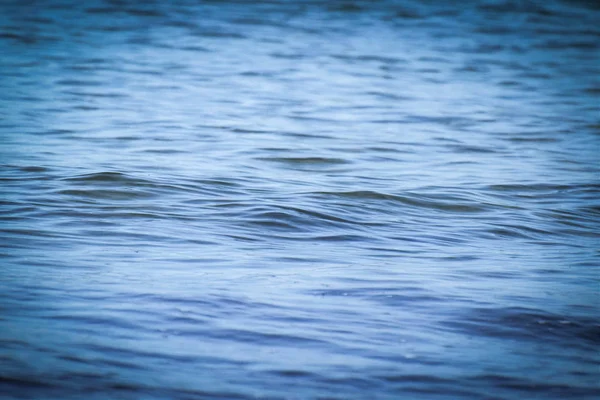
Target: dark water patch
<point>25,383</point>
<point>164,151</point>
<point>216,33</point>
<point>471,149</point>
<point>199,49</point>
<point>76,82</point>
<point>310,161</point>
<point>533,139</point>
<point>591,45</point>
<point>370,59</point>
<point>21,38</point>
<point>339,238</point>
<point>532,325</point>
<point>96,194</point>
<point>144,12</point>
<point>518,231</point>
<point>539,187</point>
<point>106,184</point>
<point>407,12</point>
<point>441,203</point>
<point>527,387</point>
<point>29,232</point>
<point>390,96</point>
<point>113,95</point>
<point>102,10</point>
<point>293,373</point>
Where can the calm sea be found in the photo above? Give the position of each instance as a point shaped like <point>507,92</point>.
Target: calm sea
<point>299,199</point>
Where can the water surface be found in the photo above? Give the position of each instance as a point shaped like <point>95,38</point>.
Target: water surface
<point>299,200</point>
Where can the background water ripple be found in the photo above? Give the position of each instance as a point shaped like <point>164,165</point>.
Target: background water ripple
<point>299,200</point>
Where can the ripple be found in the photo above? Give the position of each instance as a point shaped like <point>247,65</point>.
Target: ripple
<point>442,203</point>
<point>244,200</point>
<point>532,325</point>
<point>105,194</point>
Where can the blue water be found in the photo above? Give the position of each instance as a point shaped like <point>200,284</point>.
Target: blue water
<point>299,200</point>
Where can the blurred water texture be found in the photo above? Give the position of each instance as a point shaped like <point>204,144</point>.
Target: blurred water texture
<point>299,200</point>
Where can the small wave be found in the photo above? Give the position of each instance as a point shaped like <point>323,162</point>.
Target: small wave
<point>105,194</point>
<point>28,382</point>
<point>527,387</point>
<point>471,149</point>
<point>527,324</point>
<point>440,203</point>
<point>306,161</point>
<point>79,82</point>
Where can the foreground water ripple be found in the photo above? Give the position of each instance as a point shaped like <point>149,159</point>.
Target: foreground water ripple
<point>299,200</point>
